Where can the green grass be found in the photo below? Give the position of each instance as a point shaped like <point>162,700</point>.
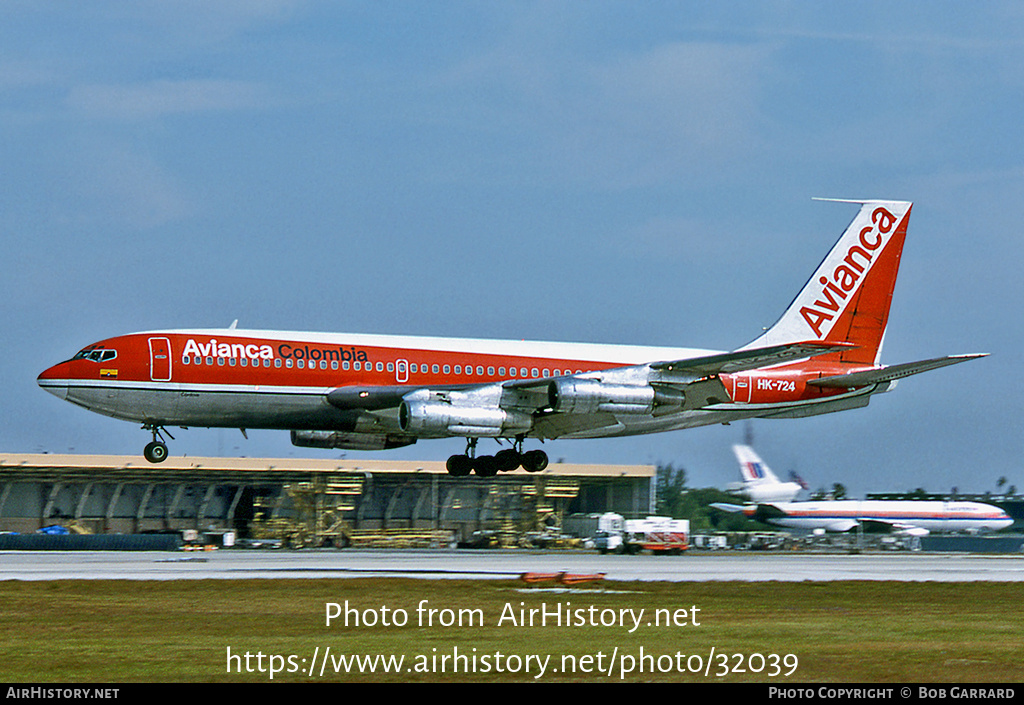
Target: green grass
<point>179,631</point>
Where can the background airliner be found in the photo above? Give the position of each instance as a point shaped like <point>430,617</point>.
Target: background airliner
<point>770,504</point>
<point>373,392</point>
<point>878,515</point>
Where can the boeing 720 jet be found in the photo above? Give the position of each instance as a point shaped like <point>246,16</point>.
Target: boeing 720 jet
<point>373,392</point>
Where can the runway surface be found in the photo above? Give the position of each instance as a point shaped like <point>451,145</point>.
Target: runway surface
<point>694,567</point>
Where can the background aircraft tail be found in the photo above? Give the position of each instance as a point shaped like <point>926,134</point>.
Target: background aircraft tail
<point>847,298</point>
<point>752,468</point>
<point>760,484</point>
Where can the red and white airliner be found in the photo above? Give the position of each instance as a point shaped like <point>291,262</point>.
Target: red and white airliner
<point>914,518</point>
<point>771,503</point>
<point>372,392</point>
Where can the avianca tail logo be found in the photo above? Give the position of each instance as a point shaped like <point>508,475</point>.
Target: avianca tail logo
<point>848,273</point>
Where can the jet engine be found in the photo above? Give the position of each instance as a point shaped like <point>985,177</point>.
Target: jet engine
<point>441,418</point>
<point>587,396</point>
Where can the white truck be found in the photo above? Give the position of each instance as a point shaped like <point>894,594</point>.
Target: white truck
<point>659,535</point>
<point>600,531</point>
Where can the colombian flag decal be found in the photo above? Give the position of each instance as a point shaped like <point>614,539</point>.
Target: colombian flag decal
<point>108,373</point>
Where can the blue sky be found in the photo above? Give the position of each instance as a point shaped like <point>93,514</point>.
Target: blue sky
<point>585,171</point>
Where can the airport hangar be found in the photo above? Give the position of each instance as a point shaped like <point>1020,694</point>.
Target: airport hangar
<point>306,501</point>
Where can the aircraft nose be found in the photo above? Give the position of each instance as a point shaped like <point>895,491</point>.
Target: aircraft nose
<point>55,380</point>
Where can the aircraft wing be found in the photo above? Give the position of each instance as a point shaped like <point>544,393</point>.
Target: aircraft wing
<point>557,425</point>
<point>890,373</point>
<point>367,398</point>
<point>766,511</point>
<point>878,526</point>
<point>741,360</point>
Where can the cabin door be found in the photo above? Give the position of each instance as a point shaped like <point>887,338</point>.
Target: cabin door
<point>160,359</point>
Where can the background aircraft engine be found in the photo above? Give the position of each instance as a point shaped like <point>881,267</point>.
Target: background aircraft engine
<point>433,418</point>
<point>587,396</point>
<point>349,441</point>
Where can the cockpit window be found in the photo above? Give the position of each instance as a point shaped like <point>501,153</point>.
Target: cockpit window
<point>96,354</point>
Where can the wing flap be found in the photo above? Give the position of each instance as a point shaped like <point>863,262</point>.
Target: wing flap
<point>558,425</point>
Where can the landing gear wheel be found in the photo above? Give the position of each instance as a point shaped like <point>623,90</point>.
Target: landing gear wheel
<point>459,465</point>
<point>507,460</point>
<point>535,460</point>
<point>155,452</point>
<point>485,466</point>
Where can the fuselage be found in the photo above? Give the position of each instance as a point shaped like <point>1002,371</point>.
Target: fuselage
<point>281,380</point>
<point>844,515</point>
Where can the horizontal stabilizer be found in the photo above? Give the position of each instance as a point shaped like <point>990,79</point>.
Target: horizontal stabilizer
<point>890,373</point>
<point>742,360</point>
<point>726,507</point>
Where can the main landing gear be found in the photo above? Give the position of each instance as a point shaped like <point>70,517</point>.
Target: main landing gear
<point>503,461</point>
<point>156,452</point>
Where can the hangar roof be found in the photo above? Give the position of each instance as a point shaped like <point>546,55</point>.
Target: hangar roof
<point>67,467</point>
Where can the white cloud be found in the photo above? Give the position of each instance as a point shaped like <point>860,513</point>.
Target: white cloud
<point>619,121</point>
<point>123,188</point>
<point>158,98</point>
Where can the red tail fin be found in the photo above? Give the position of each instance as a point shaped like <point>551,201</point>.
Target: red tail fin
<point>848,297</point>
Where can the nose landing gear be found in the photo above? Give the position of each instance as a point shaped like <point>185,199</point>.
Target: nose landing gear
<point>156,452</point>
